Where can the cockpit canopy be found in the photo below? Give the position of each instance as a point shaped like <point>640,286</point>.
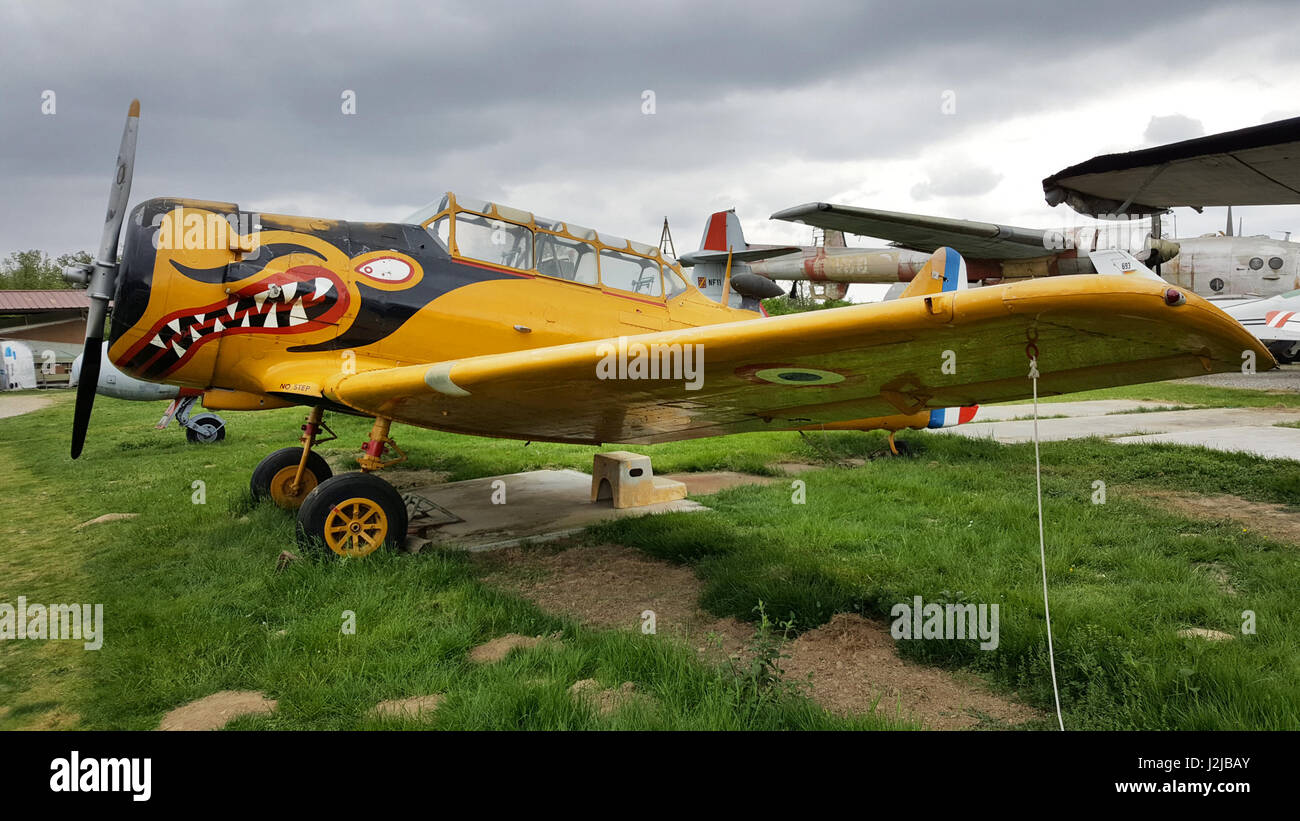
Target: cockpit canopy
<point>508,237</point>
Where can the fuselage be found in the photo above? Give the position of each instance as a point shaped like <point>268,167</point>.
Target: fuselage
<point>261,310</point>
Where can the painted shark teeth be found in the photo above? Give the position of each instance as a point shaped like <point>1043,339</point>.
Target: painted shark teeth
<point>323,286</point>
<point>297,315</point>
<point>287,291</point>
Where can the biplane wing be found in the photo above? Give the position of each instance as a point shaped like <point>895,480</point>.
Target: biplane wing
<point>944,349</point>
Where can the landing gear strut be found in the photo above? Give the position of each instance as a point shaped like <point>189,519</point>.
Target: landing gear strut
<point>289,474</point>
<point>355,514</point>
<point>200,428</point>
<point>897,448</point>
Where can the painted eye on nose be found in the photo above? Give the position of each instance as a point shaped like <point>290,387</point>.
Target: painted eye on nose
<point>386,269</point>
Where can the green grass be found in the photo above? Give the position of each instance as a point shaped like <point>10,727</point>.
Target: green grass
<point>957,521</point>
<point>193,603</point>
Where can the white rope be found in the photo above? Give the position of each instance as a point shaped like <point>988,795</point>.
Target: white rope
<point>1042,546</point>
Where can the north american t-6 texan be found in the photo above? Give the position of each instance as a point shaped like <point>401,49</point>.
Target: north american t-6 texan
<point>475,318</point>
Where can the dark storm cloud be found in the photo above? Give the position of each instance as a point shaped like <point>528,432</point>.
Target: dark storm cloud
<point>241,100</point>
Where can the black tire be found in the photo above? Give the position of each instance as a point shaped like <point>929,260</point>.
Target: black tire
<point>348,504</point>
<point>205,428</point>
<point>266,470</point>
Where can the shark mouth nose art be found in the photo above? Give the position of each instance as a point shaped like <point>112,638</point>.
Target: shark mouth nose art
<point>300,300</point>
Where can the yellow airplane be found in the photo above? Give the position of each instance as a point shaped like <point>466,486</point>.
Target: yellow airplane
<point>475,318</point>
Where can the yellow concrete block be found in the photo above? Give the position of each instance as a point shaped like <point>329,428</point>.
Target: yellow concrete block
<point>628,480</point>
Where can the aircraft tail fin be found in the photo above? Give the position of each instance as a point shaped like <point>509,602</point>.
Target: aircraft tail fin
<point>946,271</point>
<point>722,232</point>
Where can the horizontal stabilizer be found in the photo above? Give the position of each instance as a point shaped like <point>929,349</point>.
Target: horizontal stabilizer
<point>753,253</point>
<point>1115,262</point>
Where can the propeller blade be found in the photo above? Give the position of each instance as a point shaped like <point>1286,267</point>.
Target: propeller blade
<point>103,278</point>
<point>89,381</point>
<point>120,191</point>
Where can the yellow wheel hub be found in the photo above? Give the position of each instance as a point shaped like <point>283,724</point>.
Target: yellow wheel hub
<point>356,527</point>
<point>282,489</point>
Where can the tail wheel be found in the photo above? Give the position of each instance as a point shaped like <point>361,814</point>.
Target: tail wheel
<point>205,428</point>
<point>273,477</point>
<point>354,514</point>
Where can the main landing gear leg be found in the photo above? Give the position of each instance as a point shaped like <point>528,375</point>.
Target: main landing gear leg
<point>897,448</point>
<point>288,475</point>
<point>355,514</point>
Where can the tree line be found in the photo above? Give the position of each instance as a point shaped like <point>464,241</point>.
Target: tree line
<point>35,271</point>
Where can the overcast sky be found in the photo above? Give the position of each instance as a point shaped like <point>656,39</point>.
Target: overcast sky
<point>757,106</point>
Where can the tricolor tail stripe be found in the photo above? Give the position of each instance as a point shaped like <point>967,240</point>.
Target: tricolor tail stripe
<point>952,269</point>
<point>947,417</point>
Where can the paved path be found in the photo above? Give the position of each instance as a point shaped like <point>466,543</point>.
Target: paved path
<point>1285,378</point>
<point>18,405</point>
<point>1247,430</point>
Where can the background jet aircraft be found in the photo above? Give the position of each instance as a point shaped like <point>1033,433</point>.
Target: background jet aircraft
<point>1215,265</point>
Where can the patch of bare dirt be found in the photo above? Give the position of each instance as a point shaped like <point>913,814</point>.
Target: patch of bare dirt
<point>497,649</point>
<point>611,586</point>
<point>217,710</point>
<point>853,662</point>
<point>606,702</point>
<point>413,707</point>
<point>853,665</point>
<point>1276,522</point>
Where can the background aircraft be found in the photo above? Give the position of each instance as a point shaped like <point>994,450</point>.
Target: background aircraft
<point>1214,265</point>
<point>200,428</point>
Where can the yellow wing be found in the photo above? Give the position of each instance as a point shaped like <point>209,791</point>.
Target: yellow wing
<point>943,350</point>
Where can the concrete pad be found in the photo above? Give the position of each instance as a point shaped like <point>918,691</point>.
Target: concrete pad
<point>706,482</point>
<point>1269,442</point>
<point>540,505</point>
<point>1096,407</point>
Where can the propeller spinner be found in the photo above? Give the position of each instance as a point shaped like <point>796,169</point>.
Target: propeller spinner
<point>100,277</point>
